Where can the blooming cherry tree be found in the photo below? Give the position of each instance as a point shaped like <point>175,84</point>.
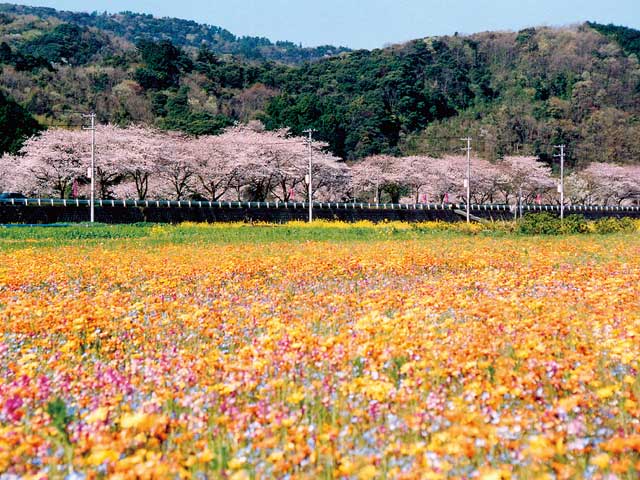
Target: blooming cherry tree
<point>177,165</point>
<point>379,173</point>
<point>604,183</point>
<point>49,163</point>
<point>267,163</point>
<point>525,176</point>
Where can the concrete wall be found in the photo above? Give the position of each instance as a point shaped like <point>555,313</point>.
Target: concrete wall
<point>176,212</point>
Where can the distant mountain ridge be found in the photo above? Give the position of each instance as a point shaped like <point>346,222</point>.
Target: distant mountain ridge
<point>182,33</point>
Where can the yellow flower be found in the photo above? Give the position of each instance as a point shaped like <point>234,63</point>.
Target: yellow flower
<point>605,392</point>
<point>602,460</point>
<point>141,421</point>
<point>276,456</point>
<point>295,397</point>
<point>541,448</point>
<point>236,463</point>
<point>239,475</point>
<point>206,456</point>
<point>99,456</point>
<point>100,414</point>
<point>367,473</point>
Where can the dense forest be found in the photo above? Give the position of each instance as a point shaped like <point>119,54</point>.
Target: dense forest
<point>515,93</point>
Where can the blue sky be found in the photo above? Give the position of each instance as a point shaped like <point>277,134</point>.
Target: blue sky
<point>368,23</point>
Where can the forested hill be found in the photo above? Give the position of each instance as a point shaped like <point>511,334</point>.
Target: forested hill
<point>182,33</point>
<point>513,92</point>
<point>627,38</point>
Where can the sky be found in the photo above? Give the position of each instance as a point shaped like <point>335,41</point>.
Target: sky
<point>368,23</point>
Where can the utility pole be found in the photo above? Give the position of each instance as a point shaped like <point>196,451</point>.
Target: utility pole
<point>92,169</point>
<point>520,200</point>
<point>309,175</point>
<point>467,181</point>
<point>561,186</point>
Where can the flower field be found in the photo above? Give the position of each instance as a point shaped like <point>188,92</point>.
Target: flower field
<point>430,355</point>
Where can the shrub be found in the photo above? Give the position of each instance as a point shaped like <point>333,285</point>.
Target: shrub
<point>614,225</point>
<point>548,224</point>
<point>539,224</point>
<point>574,224</point>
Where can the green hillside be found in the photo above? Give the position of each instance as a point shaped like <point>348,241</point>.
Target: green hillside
<point>182,33</point>
<point>513,92</point>
<point>16,125</point>
<point>627,38</point>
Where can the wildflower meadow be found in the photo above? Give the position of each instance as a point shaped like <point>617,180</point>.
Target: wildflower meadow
<point>328,351</point>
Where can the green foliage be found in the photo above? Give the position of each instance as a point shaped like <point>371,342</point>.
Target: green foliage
<point>208,234</point>
<point>63,232</point>
<point>21,61</point>
<point>539,224</point>
<point>614,225</point>
<point>627,38</point>
<point>574,224</point>
<point>164,63</point>
<point>60,417</point>
<point>228,74</point>
<point>182,33</point>
<point>203,234</point>
<point>546,96</point>
<point>362,104</point>
<point>16,125</point>
<point>545,223</point>
<point>66,43</point>
<point>197,123</point>
<point>179,116</point>
<point>514,93</point>
<point>6,55</point>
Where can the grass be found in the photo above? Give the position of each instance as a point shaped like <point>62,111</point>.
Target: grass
<point>258,233</point>
<point>223,233</point>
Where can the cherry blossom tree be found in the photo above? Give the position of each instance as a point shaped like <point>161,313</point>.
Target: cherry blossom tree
<point>525,176</point>
<point>140,149</point>
<point>266,163</point>
<point>10,177</point>
<point>48,163</point>
<point>214,166</point>
<point>379,173</point>
<point>604,184</point>
<point>441,178</point>
<point>446,178</point>
<point>437,178</point>
<point>113,152</point>
<point>247,160</point>
<point>331,179</point>
<point>416,172</point>
<point>177,165</point>
<point>581,188</point>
